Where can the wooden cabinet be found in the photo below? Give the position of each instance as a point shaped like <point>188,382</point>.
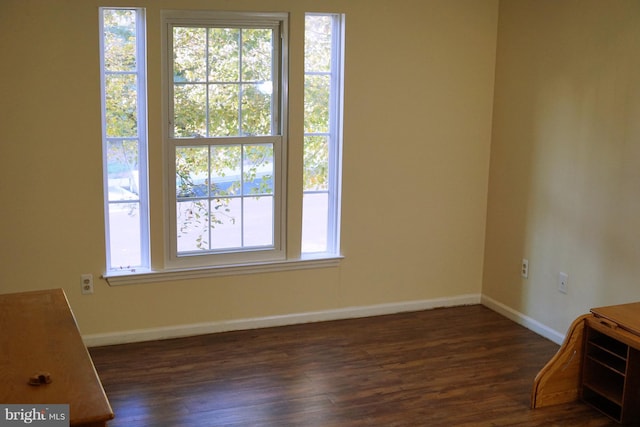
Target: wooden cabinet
<point>610,373</point>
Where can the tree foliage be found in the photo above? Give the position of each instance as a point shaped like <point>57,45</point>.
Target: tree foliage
<point>121,101</point>
<point>221,82</point>
<point>317,90</point>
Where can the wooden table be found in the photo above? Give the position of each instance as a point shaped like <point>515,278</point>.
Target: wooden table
<point>38,333</point>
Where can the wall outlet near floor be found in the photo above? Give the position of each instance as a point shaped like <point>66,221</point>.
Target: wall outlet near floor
<point>86,283</point>
<point>563,282</point>
<point>524,270</point>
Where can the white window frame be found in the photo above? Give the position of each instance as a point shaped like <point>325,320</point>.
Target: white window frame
<point>141,89</point>
<point>278,23</point>
<point>336,101</point>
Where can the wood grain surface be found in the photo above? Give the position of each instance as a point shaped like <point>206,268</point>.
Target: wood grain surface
<point>461,366</point>
<point>38,334</point>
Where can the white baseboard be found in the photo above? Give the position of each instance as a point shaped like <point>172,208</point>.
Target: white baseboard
<point>523,320</point>
<point>138,335</point>
<point>151,334</point>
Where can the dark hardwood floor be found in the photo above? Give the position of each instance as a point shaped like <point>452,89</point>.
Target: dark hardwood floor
<point>461,366</point>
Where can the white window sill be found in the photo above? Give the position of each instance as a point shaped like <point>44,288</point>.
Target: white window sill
<point>153,276</point>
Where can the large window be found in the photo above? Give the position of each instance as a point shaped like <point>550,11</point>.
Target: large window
<point>225,138</point>
<point>224,127</point>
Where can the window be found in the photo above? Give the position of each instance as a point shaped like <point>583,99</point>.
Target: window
<point>124,138</point>
<point>225,137</point>
<point>224,127</point>
<point>323,133</point>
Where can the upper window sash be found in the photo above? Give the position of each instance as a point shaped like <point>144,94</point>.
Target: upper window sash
<point>277,22</point>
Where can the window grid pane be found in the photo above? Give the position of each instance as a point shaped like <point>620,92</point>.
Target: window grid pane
<point>121,93</point>
<point>119,41</point>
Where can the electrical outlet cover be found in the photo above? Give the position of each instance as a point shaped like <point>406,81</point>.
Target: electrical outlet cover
<point>563,282</point>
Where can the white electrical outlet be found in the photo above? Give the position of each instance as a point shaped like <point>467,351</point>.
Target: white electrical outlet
<point>524,270</point>
<point>563,282</point>
<point>86,283</point>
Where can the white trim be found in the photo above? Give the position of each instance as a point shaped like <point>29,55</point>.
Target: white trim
<point>523,320</point>
<point>134,277</point>
<point>151,334</point>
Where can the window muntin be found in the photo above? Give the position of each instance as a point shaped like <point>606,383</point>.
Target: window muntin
<point>225,140</point>
<point>123,86</point>
<point>322,133</point>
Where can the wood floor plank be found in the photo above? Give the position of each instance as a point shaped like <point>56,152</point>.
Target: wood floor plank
<point>460,366</point>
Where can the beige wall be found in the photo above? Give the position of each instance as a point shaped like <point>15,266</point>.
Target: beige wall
<point>565,158</point>
<point>419,90</point>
